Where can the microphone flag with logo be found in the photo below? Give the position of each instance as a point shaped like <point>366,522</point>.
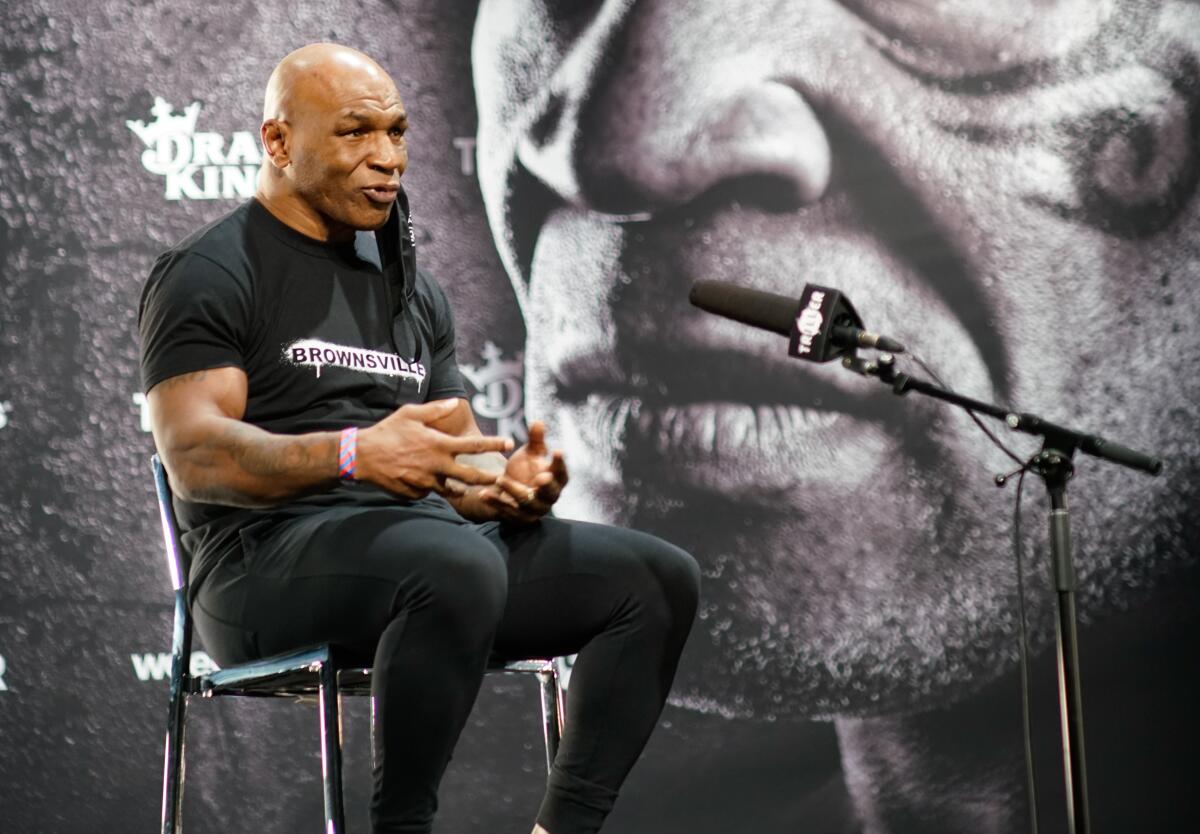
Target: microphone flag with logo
<point>821,310</point>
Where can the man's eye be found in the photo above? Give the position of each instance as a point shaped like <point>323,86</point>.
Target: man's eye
<point>1135,167</point>
<point>948,38</point>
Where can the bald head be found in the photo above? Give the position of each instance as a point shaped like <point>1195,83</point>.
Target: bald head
<point>318,75</point>
<point>333,141</point>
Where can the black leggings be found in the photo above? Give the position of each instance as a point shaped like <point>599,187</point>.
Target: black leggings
<point>430,599</point>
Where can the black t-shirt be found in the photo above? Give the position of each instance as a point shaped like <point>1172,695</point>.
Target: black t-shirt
<point>330,335</point>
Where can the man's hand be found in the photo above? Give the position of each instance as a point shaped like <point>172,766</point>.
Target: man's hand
<point>406,455</point>
<point>530,483</point>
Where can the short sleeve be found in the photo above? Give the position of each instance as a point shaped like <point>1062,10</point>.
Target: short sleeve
<point>445,379</point>
<point>194,315</point>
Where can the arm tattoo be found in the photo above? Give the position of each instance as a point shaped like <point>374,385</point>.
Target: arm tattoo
<point>269,457</point>
<point>194,376</point>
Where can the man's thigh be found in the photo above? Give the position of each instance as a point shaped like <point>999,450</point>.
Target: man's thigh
<point>568,580</point>
<point>338,576</point>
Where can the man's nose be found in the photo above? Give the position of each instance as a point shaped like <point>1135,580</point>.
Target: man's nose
<point>386,155</point>
<point>626,130</point>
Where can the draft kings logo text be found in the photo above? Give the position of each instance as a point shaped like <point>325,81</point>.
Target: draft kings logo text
<point>196,165</point>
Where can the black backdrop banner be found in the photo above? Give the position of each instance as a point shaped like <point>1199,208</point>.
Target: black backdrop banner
<point>1006,186</point>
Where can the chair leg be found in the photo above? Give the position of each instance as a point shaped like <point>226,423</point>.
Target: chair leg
<point>374,742</point>
<point>552,715</point>
<point>173,764</point>
<point>331,750</point>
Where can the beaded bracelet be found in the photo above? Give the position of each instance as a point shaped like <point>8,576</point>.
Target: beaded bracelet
<point>347,454</point>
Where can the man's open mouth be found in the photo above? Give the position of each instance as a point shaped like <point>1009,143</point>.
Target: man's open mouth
<point>382,193</point>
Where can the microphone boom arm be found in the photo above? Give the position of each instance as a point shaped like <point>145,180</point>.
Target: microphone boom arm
<point>1054,464</point>
<point>1064,439</point>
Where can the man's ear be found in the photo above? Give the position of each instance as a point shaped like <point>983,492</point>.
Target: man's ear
<point>277,141</point>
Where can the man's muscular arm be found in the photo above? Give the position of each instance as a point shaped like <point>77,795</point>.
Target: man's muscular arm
<point>214,457</point>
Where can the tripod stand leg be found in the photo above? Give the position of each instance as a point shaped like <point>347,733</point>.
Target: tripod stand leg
<point>1071,708</point>
<point>1067,643</point>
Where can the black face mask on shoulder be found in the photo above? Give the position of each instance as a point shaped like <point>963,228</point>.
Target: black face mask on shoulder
<point>398,256</point>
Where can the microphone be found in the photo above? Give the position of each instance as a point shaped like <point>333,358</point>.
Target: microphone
<point>822,325</point>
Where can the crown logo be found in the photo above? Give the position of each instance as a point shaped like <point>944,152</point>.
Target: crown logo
<point>165,123</point>
<point>499,397</point>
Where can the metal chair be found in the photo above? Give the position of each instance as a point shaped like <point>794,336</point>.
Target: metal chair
<point>322,672</point>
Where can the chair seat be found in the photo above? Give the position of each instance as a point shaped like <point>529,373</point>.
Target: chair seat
<point>297,675</point>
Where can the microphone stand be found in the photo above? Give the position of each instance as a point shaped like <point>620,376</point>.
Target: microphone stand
<point>1055,464</point>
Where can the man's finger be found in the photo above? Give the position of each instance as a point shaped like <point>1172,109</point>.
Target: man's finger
<point>507,500</point>
<point>558,466</point>
<point>429,412</point>
<point>450,487</point>
<point>539,498</point>
<point>537,438</point>
<point>498,499</point>
<point>507,508</point>
<point>402,489</point>
<point>526,511</point>
<point>524,494</point>
<point>476,444</point>
<point>467,474</point>
<point>547,488</point>
<point>535,509</point>
<point>419,479</point>
<point>550,482</point>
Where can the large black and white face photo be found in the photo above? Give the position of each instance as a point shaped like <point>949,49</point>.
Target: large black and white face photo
<point>1008,188</point>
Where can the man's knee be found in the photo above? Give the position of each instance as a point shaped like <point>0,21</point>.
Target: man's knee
<point>662,580</point>
<point>462,577</point>
<point>677,578</point>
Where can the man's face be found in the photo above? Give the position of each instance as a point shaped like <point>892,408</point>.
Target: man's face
<point>1006,186</point>
<point>348,149</point>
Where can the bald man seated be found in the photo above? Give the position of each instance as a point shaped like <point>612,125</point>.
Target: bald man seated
<point>332,485</point>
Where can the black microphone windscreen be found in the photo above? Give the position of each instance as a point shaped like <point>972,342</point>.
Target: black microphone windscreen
<point>764,310</point>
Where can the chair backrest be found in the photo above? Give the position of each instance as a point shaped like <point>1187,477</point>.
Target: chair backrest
<point>177,567</point>
<point>177,561</point>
